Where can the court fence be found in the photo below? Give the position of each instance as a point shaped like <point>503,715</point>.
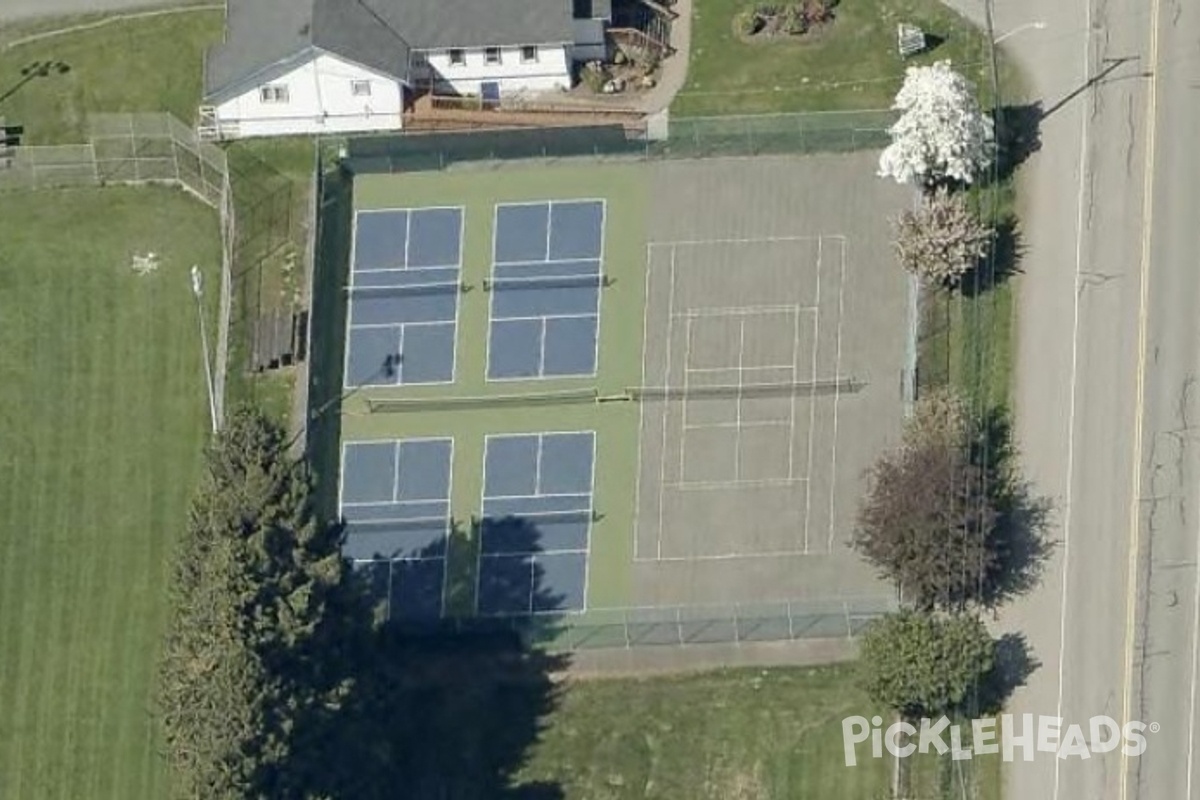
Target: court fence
<point>675,626</point>
<point>688,137</point>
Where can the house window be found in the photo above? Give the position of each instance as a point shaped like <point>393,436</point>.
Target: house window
<point>273,93</point>
<point>458,56</point>
<point>360,88</point>
<point>421,60</point>
<point>491,55</point>
<point>529,54</point>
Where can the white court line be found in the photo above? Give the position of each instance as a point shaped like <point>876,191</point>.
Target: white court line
<point>377,325</point>
<point>543,317</point>
<point>762,368</point>
<point>537,460</point>
<point>741,311</point>
<point>748,483</point>
<point>812,398</point>
<point>695,242</point>
<point>737,433</point>
<point>837,389</point>
<point>792,403</point>
<point>683,406</point>
<point>766,423</point>
<point>637,484</point>
<point>662,455</point>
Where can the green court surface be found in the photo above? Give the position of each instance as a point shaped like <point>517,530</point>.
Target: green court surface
<point>624,187</point>
<point>102,420</point>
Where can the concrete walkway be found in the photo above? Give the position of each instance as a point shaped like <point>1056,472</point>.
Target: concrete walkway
<point>674,68</point>
<point>24,10</point>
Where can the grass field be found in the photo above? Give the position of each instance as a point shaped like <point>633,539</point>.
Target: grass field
<point>749,733</point>
<point>149,64</point>
<point>104,415</point>
<point>852,64</point>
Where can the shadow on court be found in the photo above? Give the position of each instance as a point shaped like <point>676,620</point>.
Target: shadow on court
<point>435,713</point>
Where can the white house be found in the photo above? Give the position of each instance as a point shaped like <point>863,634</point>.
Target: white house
<point>325,66</point>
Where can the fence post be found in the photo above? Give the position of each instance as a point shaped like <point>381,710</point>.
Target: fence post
<point>625,626</point>
<point>846,612</point>
<point>737,632</point>
<point>679,625</point>
<point>791,629</point>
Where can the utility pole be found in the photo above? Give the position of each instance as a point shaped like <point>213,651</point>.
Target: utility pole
<point>198,293</point>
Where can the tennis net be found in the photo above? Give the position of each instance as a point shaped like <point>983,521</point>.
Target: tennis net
<point>384,405</point>
<point>546,282</point>
<point>796,388</point>
<point>405,290</point>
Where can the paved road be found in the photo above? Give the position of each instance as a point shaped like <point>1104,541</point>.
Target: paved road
<point>1109,349</point>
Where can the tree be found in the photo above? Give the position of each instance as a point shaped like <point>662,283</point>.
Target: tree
<point>925,665</point>
<point>928,519</point>
<point>941,135</point>
<point>942,240</point>
<point>940,418</point>
<point>254,601</point>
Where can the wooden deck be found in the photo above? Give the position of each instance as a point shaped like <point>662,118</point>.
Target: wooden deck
<point>429,113</point>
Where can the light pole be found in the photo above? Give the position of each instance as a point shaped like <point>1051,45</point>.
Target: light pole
<point>198,293</point>
<point>1037,26</point>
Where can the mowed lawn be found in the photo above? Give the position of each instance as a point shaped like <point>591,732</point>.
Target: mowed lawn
<point>149,64</point>
<point>102,422</point>
<point>744,734</point>
<point>851,64</point>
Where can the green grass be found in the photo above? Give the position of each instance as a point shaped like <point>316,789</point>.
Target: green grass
<point>151,64</point>
<point>271,181</point>
<point>103,419</point>
<point>851,65</point>
<point>765,734</point>
<point>615,424</point>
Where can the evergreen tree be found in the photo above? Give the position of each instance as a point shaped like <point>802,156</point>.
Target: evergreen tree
<point>255,599</point>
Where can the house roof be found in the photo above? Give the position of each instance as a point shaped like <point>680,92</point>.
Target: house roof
<point>377,34</point>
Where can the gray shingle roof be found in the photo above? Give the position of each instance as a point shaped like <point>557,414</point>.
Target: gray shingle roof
<point>375,33</point>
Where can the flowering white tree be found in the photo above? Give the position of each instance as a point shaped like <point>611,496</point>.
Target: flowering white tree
<point>941,134</point>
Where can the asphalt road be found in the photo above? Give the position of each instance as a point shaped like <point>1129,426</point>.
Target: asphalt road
<point>1108,352</point>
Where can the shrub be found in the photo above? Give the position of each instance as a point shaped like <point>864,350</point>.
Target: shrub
<point>748,22</point>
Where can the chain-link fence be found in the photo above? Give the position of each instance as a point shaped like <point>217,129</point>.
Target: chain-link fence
<point>123,149</point>
<point>687,138</point>
<point>675,626</point>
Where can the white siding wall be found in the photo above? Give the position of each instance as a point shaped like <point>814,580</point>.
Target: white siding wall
<point>550,71</point>
<point>320,99</point>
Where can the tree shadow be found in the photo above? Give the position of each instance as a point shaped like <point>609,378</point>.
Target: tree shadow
<point>438,709</point>
<point>1014,664</point>
<point>1019,539</point>
<point>1008,249</point>
<point>1018,136</point>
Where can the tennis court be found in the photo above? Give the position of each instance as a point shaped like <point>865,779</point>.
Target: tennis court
<point>536,522</point>
<point>545,288</point>
<point>395,502</point>
<point>404,296</point>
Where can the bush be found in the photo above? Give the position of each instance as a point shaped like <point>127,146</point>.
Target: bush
<point>818,12</point>
<point>748,22</point>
